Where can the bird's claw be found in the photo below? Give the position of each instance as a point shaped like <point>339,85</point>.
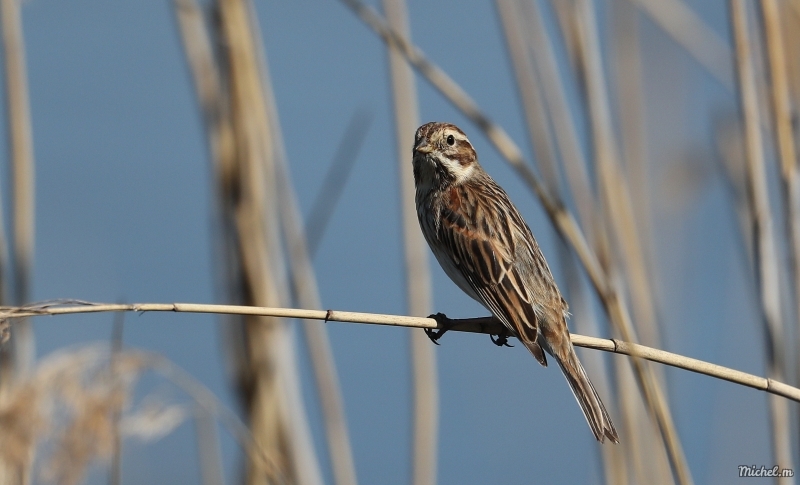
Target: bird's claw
<point>436,334</point>
<point>500,341</point>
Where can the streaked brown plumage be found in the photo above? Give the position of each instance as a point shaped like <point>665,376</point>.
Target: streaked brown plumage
<point>485,247</point>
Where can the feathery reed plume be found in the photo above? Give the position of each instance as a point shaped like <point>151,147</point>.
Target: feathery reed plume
<point>71,398</point>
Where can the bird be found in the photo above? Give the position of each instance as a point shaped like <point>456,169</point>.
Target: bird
<point>484,245</point>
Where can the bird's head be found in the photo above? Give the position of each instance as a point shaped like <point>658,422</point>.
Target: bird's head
<point>442,155</point>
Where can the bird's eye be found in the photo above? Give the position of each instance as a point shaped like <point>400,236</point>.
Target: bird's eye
<point>451,140</point>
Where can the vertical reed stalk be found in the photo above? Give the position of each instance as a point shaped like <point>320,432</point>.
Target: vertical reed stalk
<point>335,180</point>
<point>765,254</point>
<point>575,167</point>
<point>242,139</point>
<point>787,153</point>
<point>633,124</point>
<point>20,358</point>
<point>619,213</point>
<point>22,168</point>
<point>306,294</point>
<point>530,93</point>
<point>634,175</point>
<point>790,18</point>
<point>418,280</point>
<point>541,136</point>
<point>270,383</point>
<point>208,449</point>
<point>690,31</point>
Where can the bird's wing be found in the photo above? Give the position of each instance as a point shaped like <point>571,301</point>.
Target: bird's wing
<point>487,243</point>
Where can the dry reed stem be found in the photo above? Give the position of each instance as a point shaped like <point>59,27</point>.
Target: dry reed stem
<point>425,393</point>
<point>208,450</point>
<point>209,403</point>
<point>648,461</point>
<point>791,32</point>
<point>541,137</point>
<point>484,325</point>
<point>766,264</point>
<point>19,358</point>
<point>335,179</point>
<point>563,10</point>
<point>690,31</point>
<point>241,135</point>
<point>258,214</point>
<point>289,221</point>
<point>619,213</point>
<point>196,42</point>
<point>530,93</point>
<point>634,158</point>
<point>22,170</point>
<point>320,353</point>
<point>566,137</point>
<point>787,154</point>
<point>115,471</point>
<point>227,136</point>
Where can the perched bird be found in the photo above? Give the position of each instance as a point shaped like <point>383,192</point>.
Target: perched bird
<point>487,249</point>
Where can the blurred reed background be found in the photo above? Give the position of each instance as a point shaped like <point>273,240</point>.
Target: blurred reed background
<point>658,137</point>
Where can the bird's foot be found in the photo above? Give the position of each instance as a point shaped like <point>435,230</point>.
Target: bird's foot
<point>501,340</point>
<point>445,324</point>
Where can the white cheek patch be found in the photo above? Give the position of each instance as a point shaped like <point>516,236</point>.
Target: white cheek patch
<point>459,171</point>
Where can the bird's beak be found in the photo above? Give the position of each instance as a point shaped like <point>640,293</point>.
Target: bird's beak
<point>423,146</point>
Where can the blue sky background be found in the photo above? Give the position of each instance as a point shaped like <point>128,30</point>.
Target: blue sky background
<point>123,213</point>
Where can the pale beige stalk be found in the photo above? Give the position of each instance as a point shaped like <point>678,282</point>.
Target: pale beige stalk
<point>22,171</point>
<point>306,292</point>
<point>782,112</point>
<point>521,25</point>
<point>22,349</point>
<point>483,325</point>
<point>690,31</point>
<point>765,255</point>
<point>417,272</point>
<point>621,223</point>
<point>243,142</point>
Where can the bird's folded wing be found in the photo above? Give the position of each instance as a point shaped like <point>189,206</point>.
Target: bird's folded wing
<point>485,256</point>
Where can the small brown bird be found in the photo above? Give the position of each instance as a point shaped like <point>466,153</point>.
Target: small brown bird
<point>485,247</point>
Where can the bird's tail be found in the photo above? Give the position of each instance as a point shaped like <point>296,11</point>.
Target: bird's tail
<point>586,395</point>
